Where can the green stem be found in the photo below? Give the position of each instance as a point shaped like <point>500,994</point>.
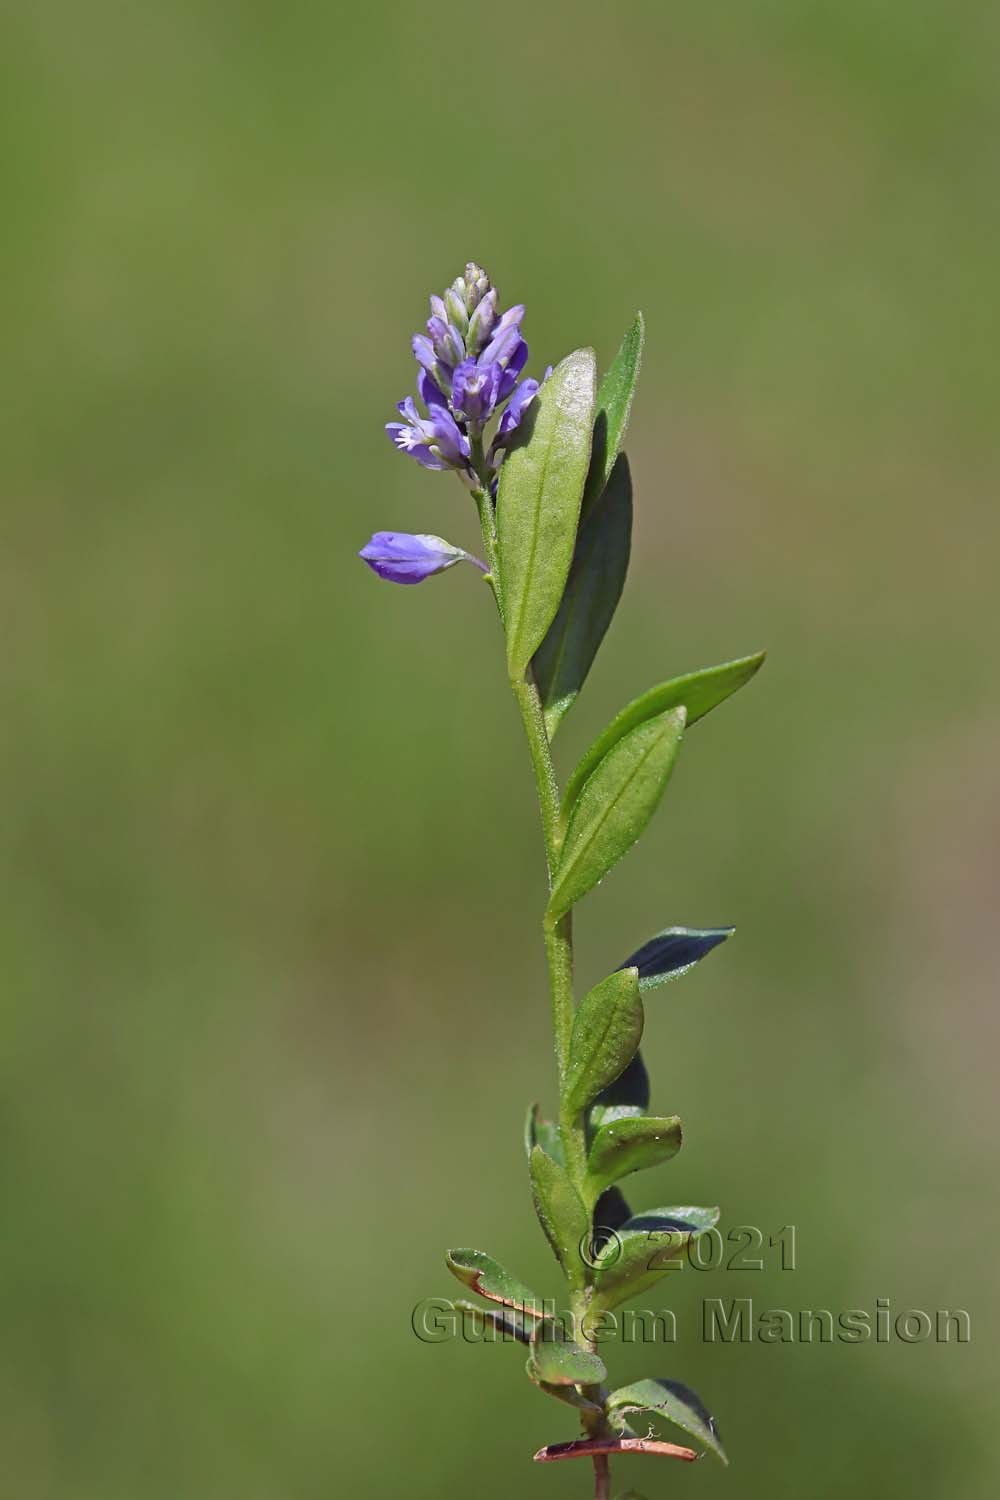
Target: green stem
<point>558,935</point>
<point>602,1478</point>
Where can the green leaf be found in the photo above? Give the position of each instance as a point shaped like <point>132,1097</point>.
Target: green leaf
<point>614,806</point>
<point>561,1214</point>
<point>606,1031</point>
<point>673,952</point>
<point>544,1133</point>
<point>595,583</point>
<point>567,1393</point>
<point>509,1325</point>
<point>612,408</point>
<point>697,691</point>
<point>558,1361</point>
<point>675,1402</point>
<point>476,1269</point>
<point>538,504</point>
<point>643,1250</point>
<point>631,1145</point>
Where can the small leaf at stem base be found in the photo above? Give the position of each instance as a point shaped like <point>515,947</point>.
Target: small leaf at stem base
<point>476,1269</point>
<point>675,1402</point>
<point>631,1145</point>
<point>558,1361</point>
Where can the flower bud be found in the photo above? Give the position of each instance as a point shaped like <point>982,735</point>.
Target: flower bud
<point>482,322</point>
<point>456,311</point>
<point>475,389</point>
<point>402,557</point>
<point>477,284</point>
<point>447,342</point>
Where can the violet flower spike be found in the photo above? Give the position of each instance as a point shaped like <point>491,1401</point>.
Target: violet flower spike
<point>471,358</point>
<point>405,557</point>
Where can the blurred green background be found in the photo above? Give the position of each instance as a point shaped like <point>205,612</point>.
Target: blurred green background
<point>273,1003</point>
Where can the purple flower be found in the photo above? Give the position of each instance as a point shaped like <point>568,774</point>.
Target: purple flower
<point>475,390</point>
<point>434,441</point>
<point>471,358</point>
<point>446,341</point>
<point>508,350</point>
<point>521,398</point>
<point>402,557</point>
<point>430,393</point>
<point>482,323</point>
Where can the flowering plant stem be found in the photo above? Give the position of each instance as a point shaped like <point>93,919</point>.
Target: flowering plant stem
<point>558,933</point>
<point>553,494</point>
<point>558,938</point>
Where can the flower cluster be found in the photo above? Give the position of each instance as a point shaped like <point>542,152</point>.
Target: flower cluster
<point>470,359</point>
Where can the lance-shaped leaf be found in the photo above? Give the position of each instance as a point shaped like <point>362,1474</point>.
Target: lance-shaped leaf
<point>614,806</point>
<point>561,1214</point>
<point>698,691</point>
<point>593,589</point>
<point>541,1132</point>
<point>606,1031</point>
<point>476,1269</point>
<point>500,1325</point>
<point>673,952</point>
<point>673,1401</point>
<point>538,504</point>
<point>627,1096</point>
<point>631,1145</point>
<point>614,402</point>
<point>567,1393</point>
<point>558,1361</point>
<point>644,1249</point>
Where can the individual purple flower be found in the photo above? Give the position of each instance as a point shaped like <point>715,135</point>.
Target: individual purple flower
<point>475,390</point>
<point>435,441</point>
<point>446,341</point>
<point>508,350</point>
<point>523,395</point>
<point>426,356</point>
<point>402,557</point>
<point>521,398</point>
